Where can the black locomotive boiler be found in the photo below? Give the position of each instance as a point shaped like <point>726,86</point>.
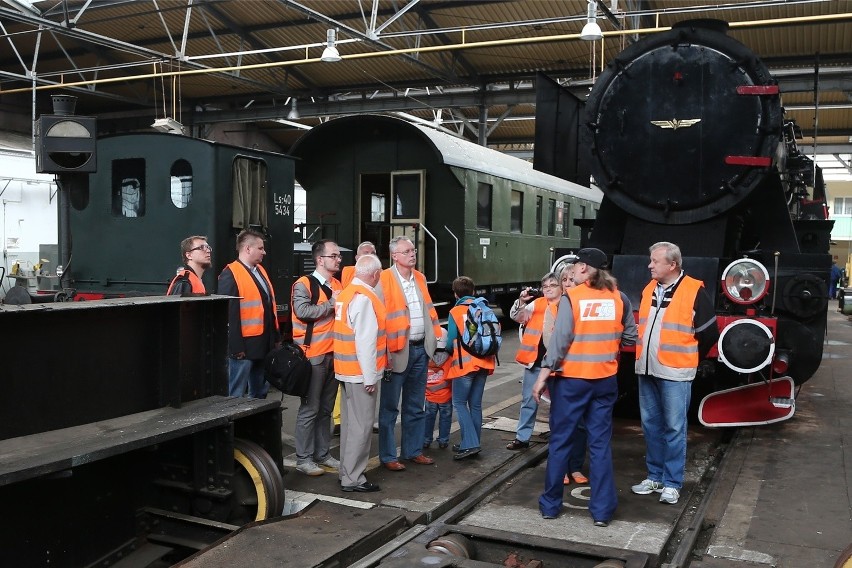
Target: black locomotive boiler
<point>686,136</point>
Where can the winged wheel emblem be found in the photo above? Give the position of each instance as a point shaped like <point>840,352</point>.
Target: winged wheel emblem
<point>674,123</point>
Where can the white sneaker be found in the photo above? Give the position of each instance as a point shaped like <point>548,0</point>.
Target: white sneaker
<point>670,495</point>
<point>329,463</point>
<point>309,468</point>
<point>647,486</point>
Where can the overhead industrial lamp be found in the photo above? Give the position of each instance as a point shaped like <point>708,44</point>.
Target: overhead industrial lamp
<point>330,53</point>
<point>592,31</point>
<point>294,112</point>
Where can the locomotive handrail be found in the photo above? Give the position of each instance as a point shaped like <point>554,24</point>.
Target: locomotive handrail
<point>422,226</point>
<point>457,249</point>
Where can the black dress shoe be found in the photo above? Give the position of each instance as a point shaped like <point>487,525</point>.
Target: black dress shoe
<point>601,524</point>
<point>456,447</point>
<point>461,454</point>
<point>365,487</point>
<point>517,445</point>
<point>443,445</point>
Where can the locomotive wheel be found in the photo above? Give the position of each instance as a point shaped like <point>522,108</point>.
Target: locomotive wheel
<point>258,486</point>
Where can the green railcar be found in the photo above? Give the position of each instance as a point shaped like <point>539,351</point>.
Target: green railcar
<point>470,210</point>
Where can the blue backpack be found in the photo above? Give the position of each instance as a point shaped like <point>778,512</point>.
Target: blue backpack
<point>481,335</point>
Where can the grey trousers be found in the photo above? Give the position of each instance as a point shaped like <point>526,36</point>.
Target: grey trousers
<point>357,408</point>
<point>313,421</point>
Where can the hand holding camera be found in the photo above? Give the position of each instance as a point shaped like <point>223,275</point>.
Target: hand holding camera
<point>530,294</point>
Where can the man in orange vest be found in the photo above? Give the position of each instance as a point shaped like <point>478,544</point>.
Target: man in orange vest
<point>252,322</point>
<point>677,328</point>
<point>348,272</point>
<point>346,275</point>
<point>360,360</point>
<point>313,322</point>
<point>412,329</point>
<point>593,320</point>
<point>195,253</point>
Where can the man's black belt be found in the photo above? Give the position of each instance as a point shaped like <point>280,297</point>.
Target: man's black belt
<point>417,342</point>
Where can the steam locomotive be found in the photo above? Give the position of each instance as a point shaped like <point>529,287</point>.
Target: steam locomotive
<point>685,134</point>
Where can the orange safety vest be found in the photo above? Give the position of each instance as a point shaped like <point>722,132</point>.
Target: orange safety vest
<point>251,301</point>
<point>194,281</point>
<point>598,325</point>
<point>346,275</point>
<point>345,353</point>
<point>399,321</point>
<point>469,362</point>
<point>678,346</point>
<point>322,341</point>
<point>533,330</point>
<point>438,388</point>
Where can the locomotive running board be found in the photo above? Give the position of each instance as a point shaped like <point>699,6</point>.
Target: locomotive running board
<point>750,405</point>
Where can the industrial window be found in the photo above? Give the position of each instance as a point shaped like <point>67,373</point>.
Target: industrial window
<point>483,205</point>
<point>566,219</point>
<point>181,183</point>
<point>377,207</point>
<point>842,206</point>
<point>128,187</point>
<point>517,212</point>
<point>551,217</point>
<point>539,200</point>
<point>582,211</point>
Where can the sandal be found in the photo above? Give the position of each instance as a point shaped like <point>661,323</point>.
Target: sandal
<point>579,478</point>
<point>517,445</point>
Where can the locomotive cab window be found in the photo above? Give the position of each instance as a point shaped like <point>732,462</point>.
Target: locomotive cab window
<point>249,184</point>
<point>517,212</point>
<point>483,205</point>
<point>407,198</point>
<point>128,187</point>
<point>181,183</point>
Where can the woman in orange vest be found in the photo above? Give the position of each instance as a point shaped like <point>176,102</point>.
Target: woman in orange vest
<point>594,319</point>
<point>537,314</point>
<point>468,373</point>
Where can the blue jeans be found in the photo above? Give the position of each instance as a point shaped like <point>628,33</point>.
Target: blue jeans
<point>446,412</point>
<point>467,402</point>
<point>411,384</point>
<point>573,400</point>
<point>663,405</point>
<point>245,372</point>
<point>529,407</point>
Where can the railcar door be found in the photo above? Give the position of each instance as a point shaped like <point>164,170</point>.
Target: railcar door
<point>393,204</point>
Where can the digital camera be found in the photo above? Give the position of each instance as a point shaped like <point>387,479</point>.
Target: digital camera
<point>535,292</point>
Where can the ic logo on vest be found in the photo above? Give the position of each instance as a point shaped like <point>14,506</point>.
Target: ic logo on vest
<point>597,310</point>
<point>338,310</point>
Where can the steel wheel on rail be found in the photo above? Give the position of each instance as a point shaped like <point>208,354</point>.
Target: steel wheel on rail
<point>258,485</point>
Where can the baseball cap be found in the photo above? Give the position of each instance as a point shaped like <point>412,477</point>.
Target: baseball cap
<point>596,258</point>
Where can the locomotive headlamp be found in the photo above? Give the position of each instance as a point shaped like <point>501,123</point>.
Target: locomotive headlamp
<point>745,281</point>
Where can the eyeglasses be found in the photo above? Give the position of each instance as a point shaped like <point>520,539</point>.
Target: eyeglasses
<point>410,251</point>
<point>331,256</point>
<point>551,286</point>
<point>205,247</point>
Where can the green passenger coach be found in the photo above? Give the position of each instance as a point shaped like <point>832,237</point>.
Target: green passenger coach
<point>469,209</point>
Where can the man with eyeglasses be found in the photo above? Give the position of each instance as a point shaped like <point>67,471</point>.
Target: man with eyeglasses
<point>313,299</point>
<point>195,254</point>
<point>412,328</point>
<point>252,322</point>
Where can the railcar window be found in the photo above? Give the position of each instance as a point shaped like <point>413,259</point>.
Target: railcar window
<point>249,185</point>
<point>128,187</point>
<point>582,211</point>
<point>539,211</point>
<point>406,190</point>
<point>566,218</point>
<point>181,183</point>
<point>483,205</point>
<point>517,212</point>
<point>551,217</point>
